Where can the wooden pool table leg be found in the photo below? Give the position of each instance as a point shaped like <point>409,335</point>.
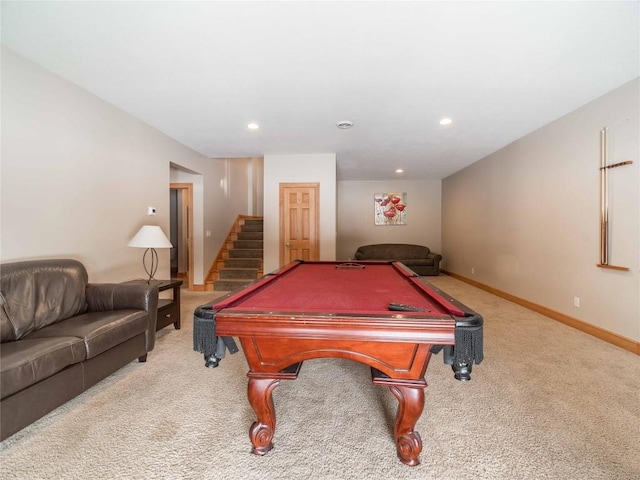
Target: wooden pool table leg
<point>410,406</point>
<point>260,397</point>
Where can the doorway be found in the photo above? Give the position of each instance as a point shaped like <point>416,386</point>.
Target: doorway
<point>181,231</point>
<point>299,222</point>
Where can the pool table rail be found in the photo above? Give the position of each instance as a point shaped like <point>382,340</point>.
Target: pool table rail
<point>398,328</point>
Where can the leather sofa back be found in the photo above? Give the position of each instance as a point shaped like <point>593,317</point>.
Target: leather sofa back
<point>37,293</point>
<point>391,251</point>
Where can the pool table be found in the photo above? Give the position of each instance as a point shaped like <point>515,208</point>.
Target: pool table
<point>379,313</point>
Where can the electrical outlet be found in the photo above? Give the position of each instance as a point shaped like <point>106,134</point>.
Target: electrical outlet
<point>576,302</point>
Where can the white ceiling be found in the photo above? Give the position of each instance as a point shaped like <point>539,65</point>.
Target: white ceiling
<point>201,71</point>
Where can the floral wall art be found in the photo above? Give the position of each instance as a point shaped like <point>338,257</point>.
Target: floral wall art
<point>390,208</point>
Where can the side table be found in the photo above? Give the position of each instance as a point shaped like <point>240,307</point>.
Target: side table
<point>168,308</point>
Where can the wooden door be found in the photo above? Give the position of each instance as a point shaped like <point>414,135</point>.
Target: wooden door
<point>299,232</point>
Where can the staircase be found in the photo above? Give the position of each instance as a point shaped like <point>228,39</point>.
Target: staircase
<point>239,262</point>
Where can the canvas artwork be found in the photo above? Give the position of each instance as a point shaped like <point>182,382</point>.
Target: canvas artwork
<point>390,208</point>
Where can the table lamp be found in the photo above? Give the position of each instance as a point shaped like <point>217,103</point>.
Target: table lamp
<point>150,237</point>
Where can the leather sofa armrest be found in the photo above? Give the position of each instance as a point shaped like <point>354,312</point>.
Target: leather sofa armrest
<point>118,296</point>
<point>435,256</point>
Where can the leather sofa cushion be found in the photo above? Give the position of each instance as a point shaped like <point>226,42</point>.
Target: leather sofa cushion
<point>28,361</point>
<point>38,293</point>
<point>418,261</point>
<point>100,331</point>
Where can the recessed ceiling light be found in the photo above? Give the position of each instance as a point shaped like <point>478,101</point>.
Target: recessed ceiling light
<point>344,124</point>
<point>446,121</point>
<point>399,170</point>
<point>253,126</point>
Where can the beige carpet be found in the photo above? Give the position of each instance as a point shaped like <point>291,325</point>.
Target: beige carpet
<point>548,402</point>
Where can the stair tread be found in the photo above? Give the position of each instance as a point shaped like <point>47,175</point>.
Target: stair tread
<point>234,280</point>
<point>237,273</point>
<point>231,284</point>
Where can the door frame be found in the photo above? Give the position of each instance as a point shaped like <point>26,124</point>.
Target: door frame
<point>186,190</point>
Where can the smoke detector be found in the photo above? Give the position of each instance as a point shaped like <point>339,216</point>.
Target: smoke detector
<point>344,124</point>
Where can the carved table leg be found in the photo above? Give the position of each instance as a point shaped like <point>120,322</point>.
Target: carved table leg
<point>262,430</point>
<point>410,405</point>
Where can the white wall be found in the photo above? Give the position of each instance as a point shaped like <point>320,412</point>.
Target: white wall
<point>356,221</point>
<point>256,186</point>
<point>526,218</point>
<point>78,175</point>
<point>320,168</point>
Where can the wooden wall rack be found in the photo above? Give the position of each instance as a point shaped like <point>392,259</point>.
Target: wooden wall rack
<point>604,202</point>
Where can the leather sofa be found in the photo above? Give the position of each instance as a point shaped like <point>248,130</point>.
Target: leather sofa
<point>418,258</point>
<point>61,335</point>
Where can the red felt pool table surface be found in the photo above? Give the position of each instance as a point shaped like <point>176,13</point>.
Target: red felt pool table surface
<point>342,288</point>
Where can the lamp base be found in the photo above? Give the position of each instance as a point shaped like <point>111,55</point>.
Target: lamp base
<point>151,271</point>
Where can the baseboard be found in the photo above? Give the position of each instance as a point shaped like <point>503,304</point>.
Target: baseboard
<point>198,288</point>
<point>609,337</point>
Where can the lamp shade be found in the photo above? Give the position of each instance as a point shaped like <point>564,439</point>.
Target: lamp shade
<point>150,236</point>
